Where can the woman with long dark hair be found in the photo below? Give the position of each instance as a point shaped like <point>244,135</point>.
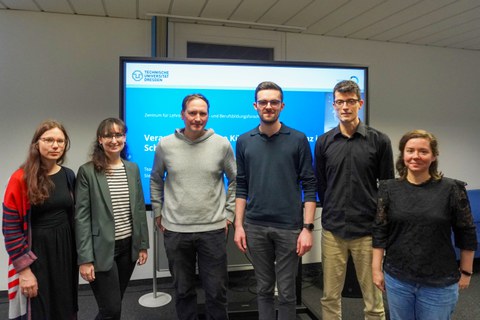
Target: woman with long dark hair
<point>110,219</point>
<point>37,224</point>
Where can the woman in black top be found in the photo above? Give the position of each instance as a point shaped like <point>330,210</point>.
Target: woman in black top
<point>38,228</point>
<point>415,217</point>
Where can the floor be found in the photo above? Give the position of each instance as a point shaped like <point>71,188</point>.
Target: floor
<point>242,303</point>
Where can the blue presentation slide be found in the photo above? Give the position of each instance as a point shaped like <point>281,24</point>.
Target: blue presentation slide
<point>153,92</point>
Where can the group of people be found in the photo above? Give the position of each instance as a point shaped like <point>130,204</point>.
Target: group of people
<point>397,231</point>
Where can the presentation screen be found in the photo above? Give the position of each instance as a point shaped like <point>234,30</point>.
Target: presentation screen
<point>152,90</point>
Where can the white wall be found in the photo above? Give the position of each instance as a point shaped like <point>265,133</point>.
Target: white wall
<point>66,67</point>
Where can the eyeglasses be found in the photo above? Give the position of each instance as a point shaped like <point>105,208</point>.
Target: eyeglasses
<point>51,141</point>
<point>273,103</point>
<point>349,102</point>
<point>110,136</point>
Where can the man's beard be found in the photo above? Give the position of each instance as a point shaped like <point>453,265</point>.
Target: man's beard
<point>269,120</point>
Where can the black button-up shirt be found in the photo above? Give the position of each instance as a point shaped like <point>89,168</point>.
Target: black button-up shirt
<point>348,171</point>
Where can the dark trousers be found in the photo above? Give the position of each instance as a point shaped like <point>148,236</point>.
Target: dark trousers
<point>274,259</point>
<point>109,286</point>
<point>182,251</point>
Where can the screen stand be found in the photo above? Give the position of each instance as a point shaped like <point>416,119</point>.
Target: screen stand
<point>154,299</point>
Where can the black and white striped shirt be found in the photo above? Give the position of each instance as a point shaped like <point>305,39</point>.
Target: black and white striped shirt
<point>118,186</point>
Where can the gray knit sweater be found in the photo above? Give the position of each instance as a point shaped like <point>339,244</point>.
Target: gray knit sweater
<point>187,186</point>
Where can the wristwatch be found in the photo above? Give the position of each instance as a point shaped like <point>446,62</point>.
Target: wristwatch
<point>464,272</point>
<point>309,226</point>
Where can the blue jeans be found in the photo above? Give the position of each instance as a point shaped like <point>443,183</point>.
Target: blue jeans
<point>273,253</point>
<point>413,301</point>
<point>109,286</point>
<point>182,250</point>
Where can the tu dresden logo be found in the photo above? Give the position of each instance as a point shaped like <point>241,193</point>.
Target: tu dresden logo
<point>137,75</point>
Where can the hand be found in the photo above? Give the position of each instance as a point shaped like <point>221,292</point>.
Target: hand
<point>142,257</point>
<point>87,272</point>
<point>240,239</point>
<point>304,242</point>
<point>158,222</point>
<point>379,280</point>
<point>28,283</point>
<point>464,281</point>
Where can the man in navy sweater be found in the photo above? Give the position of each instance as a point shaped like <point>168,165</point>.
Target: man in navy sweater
<point>274,164</point>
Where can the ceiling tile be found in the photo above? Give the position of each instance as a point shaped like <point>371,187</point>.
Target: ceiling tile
<point>315,12</point>
<point>121,8</point>
<point>60,6</point>
<point>367,18</point>
<point>283,11</point>
<point>187,7</point>
<point>443,34</point>
<point>459,34</point>
<point>441,21</point>
<point>20,5</point>
<point>342,15</point>
<point>392,26</point>
<point>220,9</point>
<point>252,10</point>
<point>88,7</point>
<point>445,23</point>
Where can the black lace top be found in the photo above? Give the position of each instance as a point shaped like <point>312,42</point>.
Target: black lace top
<point>414,225</point>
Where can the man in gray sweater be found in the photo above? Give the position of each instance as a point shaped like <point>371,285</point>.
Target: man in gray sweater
<point>193,210</point>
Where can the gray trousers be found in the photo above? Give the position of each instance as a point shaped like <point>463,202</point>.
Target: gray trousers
<point>273,253</point>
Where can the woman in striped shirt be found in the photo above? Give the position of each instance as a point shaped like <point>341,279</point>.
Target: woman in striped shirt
<point>110,220</point>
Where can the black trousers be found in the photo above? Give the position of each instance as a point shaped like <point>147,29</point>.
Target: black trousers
<point>109,286</point>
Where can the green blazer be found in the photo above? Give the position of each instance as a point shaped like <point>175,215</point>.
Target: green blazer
<point>94,223</point>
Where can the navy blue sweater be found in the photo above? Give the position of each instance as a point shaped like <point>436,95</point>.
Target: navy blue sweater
<point>271,173</point>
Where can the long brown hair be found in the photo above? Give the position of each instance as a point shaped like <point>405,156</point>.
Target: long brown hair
<point>99,158</point>
<point>36,175</point>
<point>422,134</point>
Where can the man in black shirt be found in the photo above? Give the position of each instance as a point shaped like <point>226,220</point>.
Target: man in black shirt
<point>350,160</point>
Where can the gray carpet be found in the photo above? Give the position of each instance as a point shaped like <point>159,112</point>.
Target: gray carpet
<point>242,303</point>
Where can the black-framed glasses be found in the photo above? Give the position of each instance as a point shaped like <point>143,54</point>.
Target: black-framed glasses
<point>273,103</point>
<point>349,102</point>
<point>110,136</point>
<point>51,141</point>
